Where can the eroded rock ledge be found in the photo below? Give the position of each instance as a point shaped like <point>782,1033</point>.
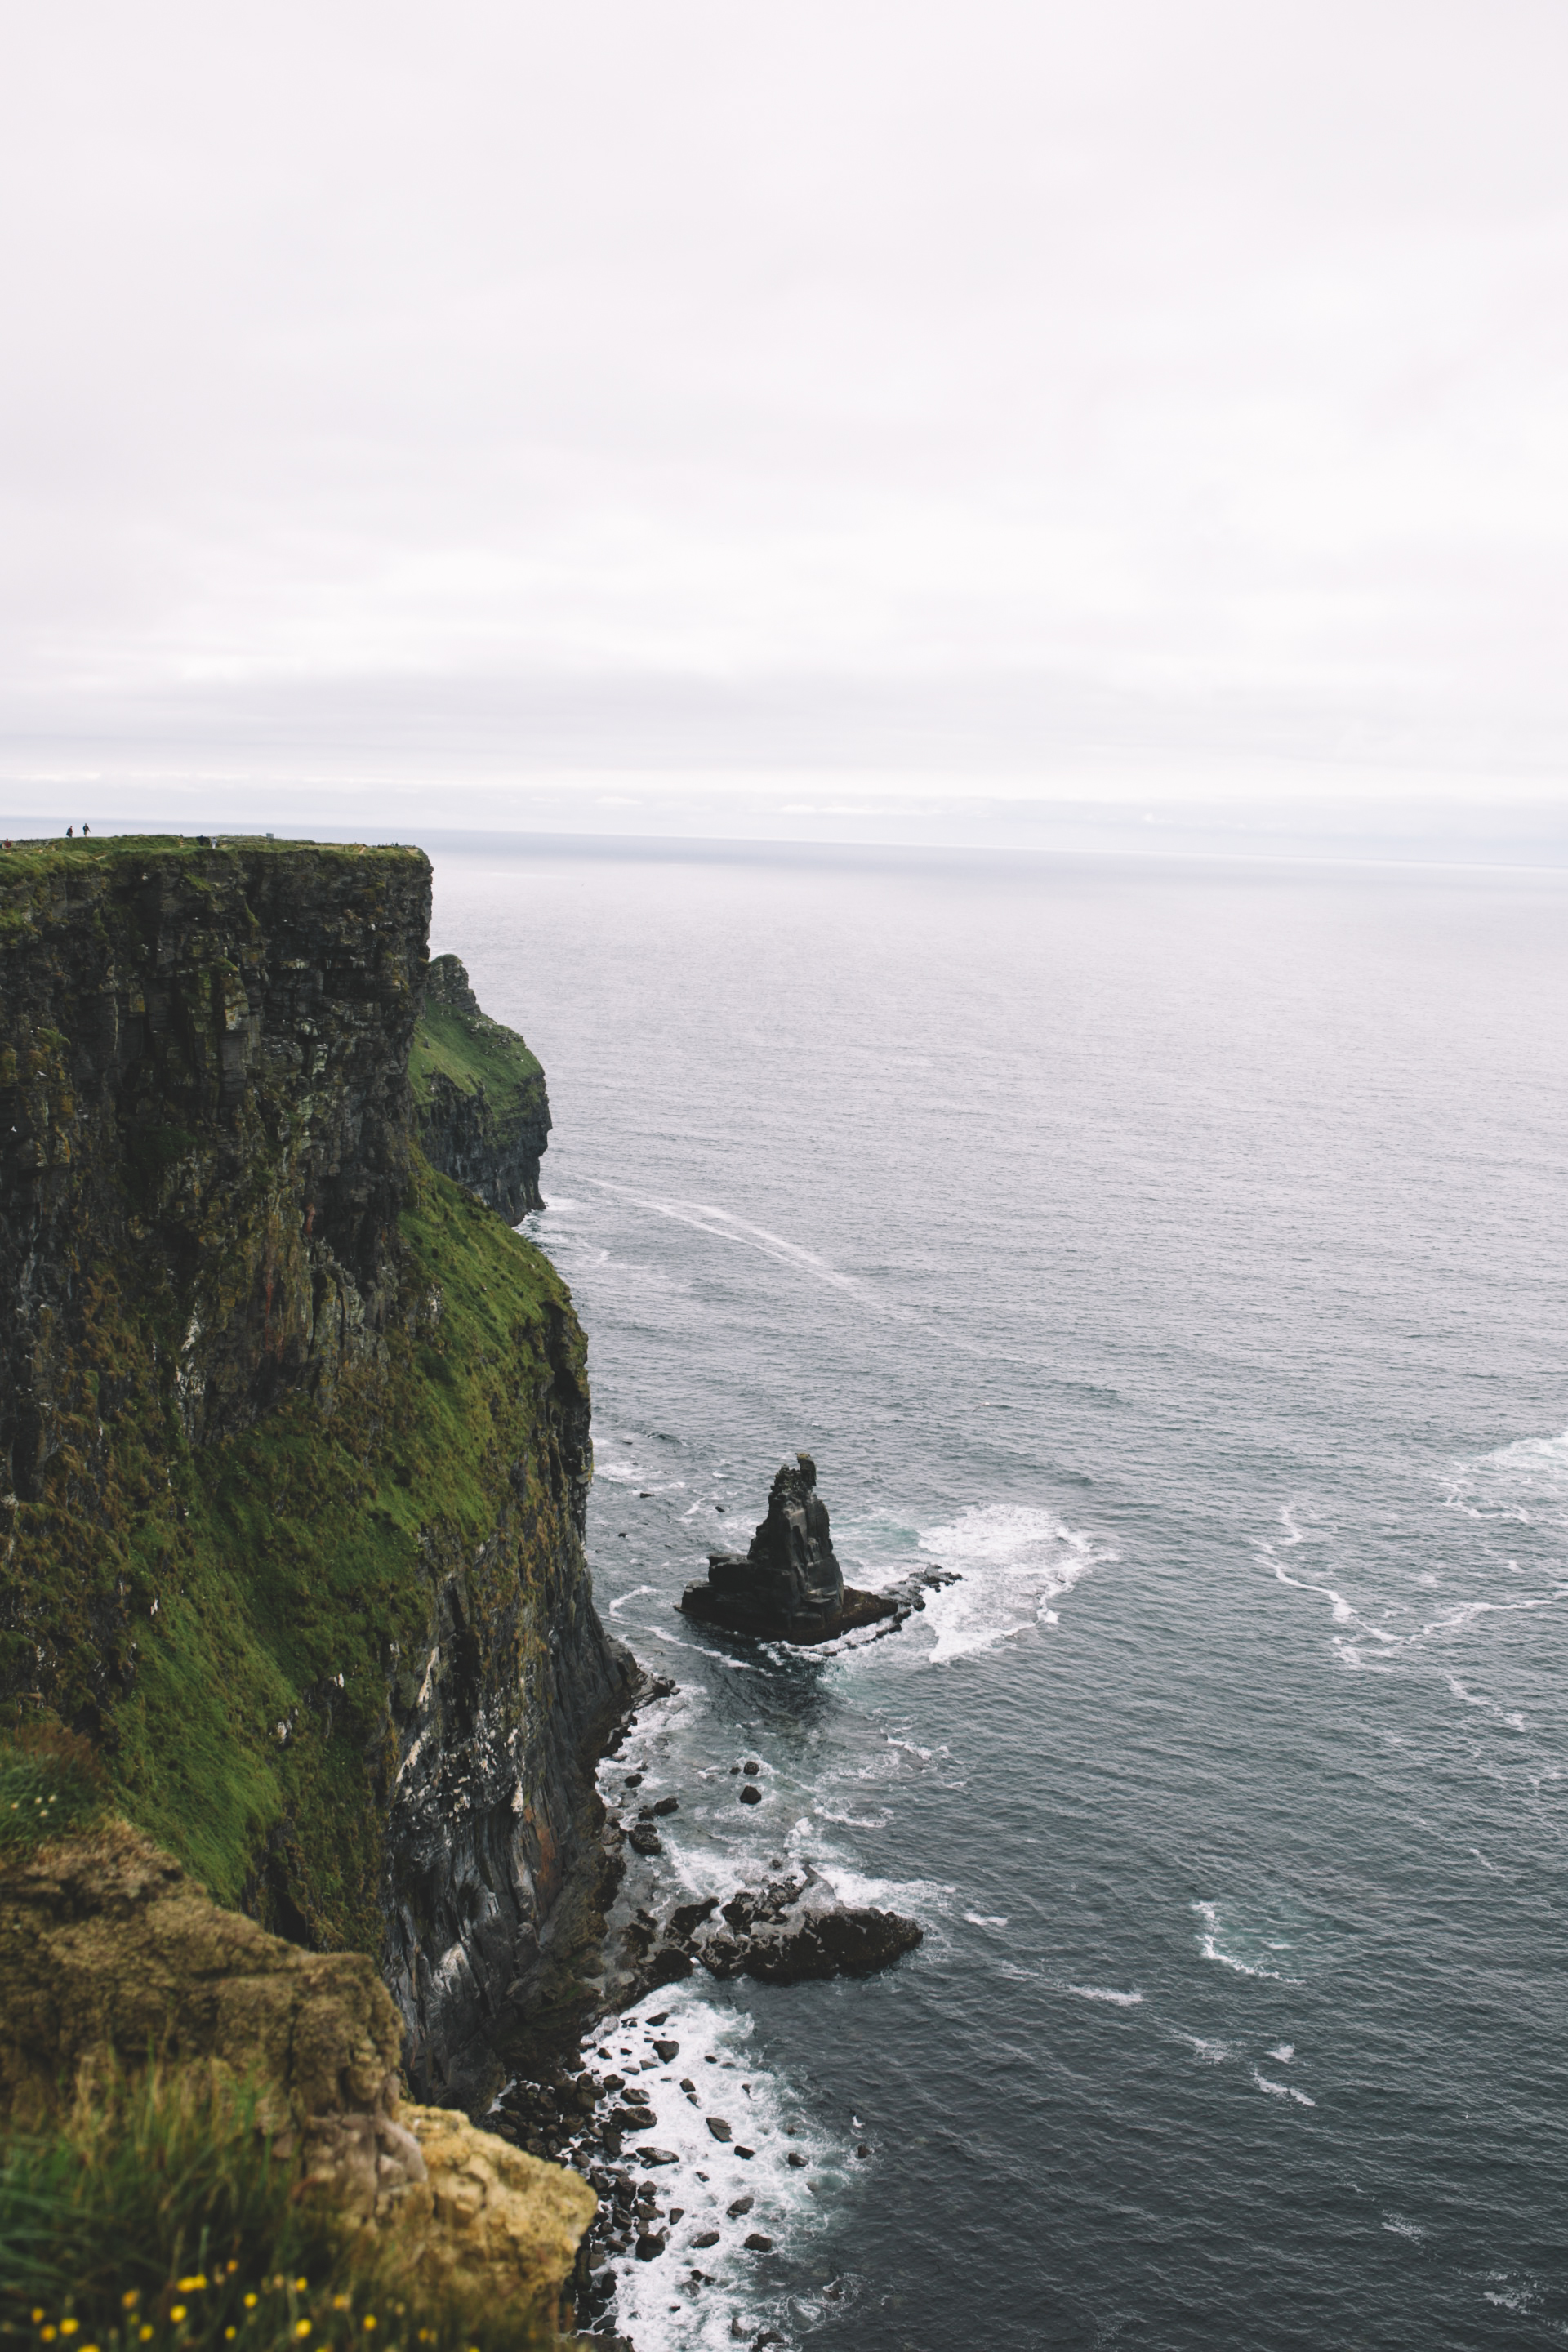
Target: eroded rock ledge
<point>107,1950</point>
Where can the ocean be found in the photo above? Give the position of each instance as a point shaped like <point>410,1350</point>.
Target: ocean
<point>1177,1251</point>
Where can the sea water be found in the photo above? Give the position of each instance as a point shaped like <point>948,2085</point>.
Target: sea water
<point>1177,1252</point>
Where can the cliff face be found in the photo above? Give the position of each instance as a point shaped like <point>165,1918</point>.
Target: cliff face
<point>204,1091</point>
<point>298,1431</point>
<point>484,1116</point>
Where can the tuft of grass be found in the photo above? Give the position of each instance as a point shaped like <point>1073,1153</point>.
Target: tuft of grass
<point>158,2215</point>
<point>51,1783</point>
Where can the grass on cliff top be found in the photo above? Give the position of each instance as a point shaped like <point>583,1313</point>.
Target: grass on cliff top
<point>471,1054</point>
<point>155,2214</point>
<point>98,847</point>
<point>273,1572</point>
<point>51,1782</point>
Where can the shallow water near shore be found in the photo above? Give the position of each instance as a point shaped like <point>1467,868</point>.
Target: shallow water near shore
<point>1177,1252</point>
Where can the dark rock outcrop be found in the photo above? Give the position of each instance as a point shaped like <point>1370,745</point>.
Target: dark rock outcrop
<point>791,1931</point>
<point>203,1073</point>
<point>483,1113</point>
<point>788,1586</point>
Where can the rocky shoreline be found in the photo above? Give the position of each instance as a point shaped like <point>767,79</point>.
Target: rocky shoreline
<point>585,2106</point>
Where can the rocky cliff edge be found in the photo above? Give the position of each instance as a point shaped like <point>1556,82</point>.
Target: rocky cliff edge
<point>298,1431</point>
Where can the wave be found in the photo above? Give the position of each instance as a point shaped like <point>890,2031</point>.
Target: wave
<point>1014,1559</point>
<point>658,2304</point>
<point>1107,1992</point>
<point>1282,2090</point>
<point>1412,1634</point>
<point>1209,1946</point>
<point>1520,1482</point>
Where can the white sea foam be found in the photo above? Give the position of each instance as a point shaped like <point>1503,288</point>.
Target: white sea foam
<point>659,2303</point>
<point>984,1919</point>
<point>1014,1561</point>
<point>1283,2052</point>
<point>1209,1946</point>
<point>1523,1482</point>
<point>1215,2052</point>
<point>1282,2090</point>
<point>624,1599</point>
<point>924,1896</point>
<point>1107,1992</point>
<point>1403,2229</point>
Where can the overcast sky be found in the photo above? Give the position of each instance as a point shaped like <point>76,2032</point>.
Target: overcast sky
<point>1029,399</point>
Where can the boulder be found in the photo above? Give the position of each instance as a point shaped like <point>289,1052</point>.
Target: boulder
<point>790,1931</point>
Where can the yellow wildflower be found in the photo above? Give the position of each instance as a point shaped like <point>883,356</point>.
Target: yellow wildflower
<point>177,2311</point>
<point>50,2334</point>
<point>192,2286</point>
<point>301,2327</point>
<point>300,2285</point>
<point>131,2298</point>
<point>37,2314</point>
<point>145,2334</point>
<point>369,2319</point>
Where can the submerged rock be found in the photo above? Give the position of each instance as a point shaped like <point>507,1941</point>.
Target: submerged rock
<point>787,1585</point>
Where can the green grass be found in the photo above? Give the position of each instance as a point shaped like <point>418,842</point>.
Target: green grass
<point>471,1054</point>
<point>100,846</point>
<point>287,1576</point>
<point>51,1782</point>
<point>157,2214</point>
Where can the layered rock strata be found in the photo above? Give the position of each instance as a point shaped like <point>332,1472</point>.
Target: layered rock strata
<point>297,1430</point>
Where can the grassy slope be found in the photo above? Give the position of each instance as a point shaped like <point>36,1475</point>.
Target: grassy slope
<point>263,1568</point>
<point>470,1054</point>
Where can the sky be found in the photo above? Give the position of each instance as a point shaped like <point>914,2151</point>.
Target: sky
<point>694,415</point>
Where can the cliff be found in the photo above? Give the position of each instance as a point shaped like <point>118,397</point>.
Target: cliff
<point>484,1116</point>
<point>299,1431</point>
<point>109,1951</point>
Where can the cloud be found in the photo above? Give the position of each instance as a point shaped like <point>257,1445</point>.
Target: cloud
<point>1004,390</point>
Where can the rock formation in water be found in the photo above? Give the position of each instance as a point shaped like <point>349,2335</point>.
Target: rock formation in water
<point>787,1585</point>
<point>794,1930</point>
<point>297,1430</point>
<point>479,1093</point>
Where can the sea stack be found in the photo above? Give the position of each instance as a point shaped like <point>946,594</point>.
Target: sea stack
<point>787,1585</point>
